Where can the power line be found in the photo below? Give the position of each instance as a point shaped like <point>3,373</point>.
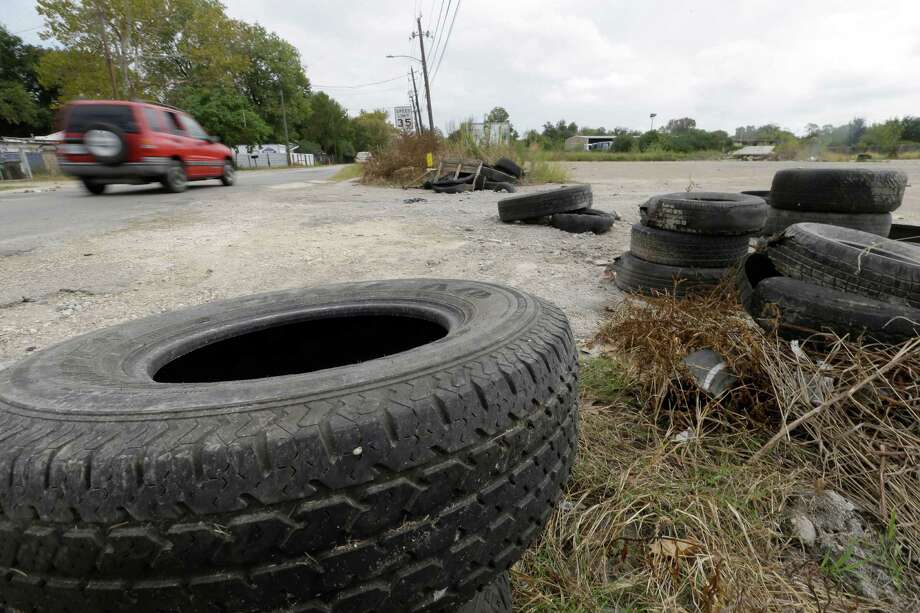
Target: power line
<point>447,40</point>
<point>438,33</point>
<point>358,85</point>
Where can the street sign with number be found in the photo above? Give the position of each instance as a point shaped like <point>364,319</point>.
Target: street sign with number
<point>404,118</point>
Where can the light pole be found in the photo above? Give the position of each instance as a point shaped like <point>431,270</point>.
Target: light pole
<point>652,117</point>
<point>287,139</point>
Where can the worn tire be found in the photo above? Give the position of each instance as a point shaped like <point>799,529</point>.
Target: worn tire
<point>585,220</point>
<point>850,261</point>
<point>452,188</point>
<point>714,213</point>
<point>838,190</point>
<point>402,483</point>
<point>494,598</point>
<point>176,179</point>
<point>764,194</point>
<point>873,223</point>
<point>682,249</point>
<point>509,166</point>
<point>904,233</point>
<point>541,204</point>
<point>640,277</point>
<point>797,309</point>
<point>500,187</point>
<point>94,187</point>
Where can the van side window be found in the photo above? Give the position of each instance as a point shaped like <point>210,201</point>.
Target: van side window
<point>173,125</point>
<point>154,119</point>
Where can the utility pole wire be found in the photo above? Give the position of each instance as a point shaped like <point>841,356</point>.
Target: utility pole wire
<point>358,85</point>
<point>444,46</point>
<point>439,29</point>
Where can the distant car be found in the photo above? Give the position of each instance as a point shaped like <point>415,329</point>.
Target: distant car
<point>362,156</point>
<point>117,141</point>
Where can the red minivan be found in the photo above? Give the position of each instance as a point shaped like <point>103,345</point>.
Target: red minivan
<point>118,141</point>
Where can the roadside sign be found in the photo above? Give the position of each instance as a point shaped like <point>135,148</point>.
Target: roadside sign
<point>404,118</point>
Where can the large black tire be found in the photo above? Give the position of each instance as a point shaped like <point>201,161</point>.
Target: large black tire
<point>760,193</point>
<point>838,190</point>
<point>176,179</point>
<point>640,277</point>
<point>585,220</point>
<point>714,213</point>
<point>797,309</point>
<point>904,233</point>
<point>682,249</point>
<point>510,167</point>
<point>873,223</point>
<point>541,204</point>
<point>94,187</point>
<point>850,261</point>
<point>376,446</point>
<point>452,188</point>
<point>228,176</point>
<point>500,187</point>
<point>494,598</point>
<point>497,176</point>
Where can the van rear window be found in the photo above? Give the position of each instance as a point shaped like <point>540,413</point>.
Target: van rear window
<point>81,117</point>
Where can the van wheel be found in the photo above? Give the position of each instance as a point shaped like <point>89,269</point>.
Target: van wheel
<point>229,176</point>
<point>175,180</point>
<point>94,187</point>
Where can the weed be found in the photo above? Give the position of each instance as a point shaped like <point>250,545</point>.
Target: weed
<point>840,567</point>
<point>603,379</point>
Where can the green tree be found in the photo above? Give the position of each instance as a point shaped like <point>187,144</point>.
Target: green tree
<point>371,130</point>
<point>330,126</point>
<point>497,115</point>
<point>683,124</point>
<point>23,101</point>
<point>884,137</point>
<point>225,113</point>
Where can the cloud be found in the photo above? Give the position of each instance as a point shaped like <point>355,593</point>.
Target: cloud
<point>611,63</point>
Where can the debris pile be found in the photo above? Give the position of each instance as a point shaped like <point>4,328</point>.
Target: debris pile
<point>816,277</point>
<point>567,208</point>
<point>688,242</point>
<point>457,175</point>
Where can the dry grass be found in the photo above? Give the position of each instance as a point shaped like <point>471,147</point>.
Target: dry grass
<point>403,160</point>
<point>666,509</point>
<point>348,172</point>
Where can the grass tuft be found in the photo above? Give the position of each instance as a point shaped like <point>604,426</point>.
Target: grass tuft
<point>671,508</point>
<point>348,172</point>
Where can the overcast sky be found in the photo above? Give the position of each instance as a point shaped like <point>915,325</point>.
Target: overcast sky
<point>610,63</point>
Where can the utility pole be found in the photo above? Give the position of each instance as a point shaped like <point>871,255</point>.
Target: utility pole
<point>652,117</point>
<point>287,139</point>
<point>421,44</point>
<point>108,53</point>
<point>418,109</point>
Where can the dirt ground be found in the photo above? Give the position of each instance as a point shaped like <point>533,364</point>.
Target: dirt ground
<point>308,233</point>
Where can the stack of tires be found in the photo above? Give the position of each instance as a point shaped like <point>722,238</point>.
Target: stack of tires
<point>379,446</point>
<point>566,208</point>
<point>857,198</point>
<point>815,278</point>
<point>688,242</point>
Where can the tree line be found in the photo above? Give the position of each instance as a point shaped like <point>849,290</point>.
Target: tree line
<point>239,80</point>
<point>681,135</point>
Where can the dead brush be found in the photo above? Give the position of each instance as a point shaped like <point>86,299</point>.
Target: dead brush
<point>402,161</point>
<point>672,508</point>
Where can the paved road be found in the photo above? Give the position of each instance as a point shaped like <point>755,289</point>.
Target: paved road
<point>28,220</point>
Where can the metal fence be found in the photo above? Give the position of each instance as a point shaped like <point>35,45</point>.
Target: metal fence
<point>273,160</point>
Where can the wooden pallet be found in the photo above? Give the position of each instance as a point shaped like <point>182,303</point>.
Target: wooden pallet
<point>455,166</point>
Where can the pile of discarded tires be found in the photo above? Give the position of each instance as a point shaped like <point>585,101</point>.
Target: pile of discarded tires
<point>688,242</point>
<point>815,277</point>
<point>857,198</point>
<point>566,208</point>
<point>378,446</point>
<point>502,176</point>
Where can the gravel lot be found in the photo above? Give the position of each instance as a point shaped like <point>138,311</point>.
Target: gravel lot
<point>229,242</point>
